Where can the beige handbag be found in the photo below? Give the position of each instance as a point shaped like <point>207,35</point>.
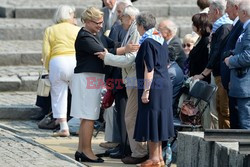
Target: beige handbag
<point>44,85</point>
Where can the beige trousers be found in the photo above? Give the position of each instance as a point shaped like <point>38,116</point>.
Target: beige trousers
<point>222,105</point>
<point>139,149</point>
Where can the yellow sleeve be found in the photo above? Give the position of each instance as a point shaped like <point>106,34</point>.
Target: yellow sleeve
<point>46,48</point>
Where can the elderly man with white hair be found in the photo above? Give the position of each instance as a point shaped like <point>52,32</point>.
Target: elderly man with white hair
<point>232,10</point>
<point>239,63</point>
<point>117,32</point>
<point>221,28</point>
<point>127,63</point>
<point>169,30</point>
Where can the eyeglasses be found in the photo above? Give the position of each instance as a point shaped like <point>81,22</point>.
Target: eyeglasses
<point>97,23</point>
<point>186,45</point>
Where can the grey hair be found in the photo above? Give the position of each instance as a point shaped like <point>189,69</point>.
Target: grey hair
<point>219,4</point>
<point>147,20</point>
<point>245,5</point>
<point>131,11</point>
<point>171,26</point>
<point>234,2</point>
<point>63,13</point>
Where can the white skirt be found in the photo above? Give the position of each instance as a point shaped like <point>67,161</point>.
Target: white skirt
<point>86,95</point>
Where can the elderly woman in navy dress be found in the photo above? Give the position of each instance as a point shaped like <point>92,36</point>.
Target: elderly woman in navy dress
<point>154,122</point>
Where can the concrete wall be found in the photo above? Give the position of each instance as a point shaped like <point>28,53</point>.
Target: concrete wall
<point>194,151</point>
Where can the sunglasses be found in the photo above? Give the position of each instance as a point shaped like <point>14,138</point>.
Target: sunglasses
<point>100,23</point>
<point>186,45</point>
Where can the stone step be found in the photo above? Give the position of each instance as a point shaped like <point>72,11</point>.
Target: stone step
<point>183,10</point>
<point>19,8</point>
<point>20,52</point>
<point>44,10</point>
<point>23,29</point>
<point>19,105</point>
<point>33,29</point>
<point>19,78</point>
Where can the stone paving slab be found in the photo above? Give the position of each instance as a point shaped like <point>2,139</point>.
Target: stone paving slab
<point>66,146</point>
<point>16,151</point>
<point>19,78</point>
<point>18,52</point>
<point>19,106</point>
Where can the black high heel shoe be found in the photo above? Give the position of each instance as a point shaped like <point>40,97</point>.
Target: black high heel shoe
<point>78,156</point>
<point>84,158</point>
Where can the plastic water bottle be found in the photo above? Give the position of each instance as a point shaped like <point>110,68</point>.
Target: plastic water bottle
<point>168,156</point>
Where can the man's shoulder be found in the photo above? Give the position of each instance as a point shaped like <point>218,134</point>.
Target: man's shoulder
<point>224,27</point>
<point>248,27</point>
<point>175,40</point>
<point>104,9</point>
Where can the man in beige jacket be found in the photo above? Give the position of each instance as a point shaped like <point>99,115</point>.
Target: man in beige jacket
<point>127,63</point>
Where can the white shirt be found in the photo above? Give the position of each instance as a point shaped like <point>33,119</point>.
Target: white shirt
<point>111,15</point>
<point>169,40</point>
<point>235,20</point>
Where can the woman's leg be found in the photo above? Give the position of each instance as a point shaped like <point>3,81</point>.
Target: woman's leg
<point>63,124</point>
<point>86,130</point>
<point>160,154</point>
<point>154,151</point>
<point>154,155</point>
<point>79,149</point>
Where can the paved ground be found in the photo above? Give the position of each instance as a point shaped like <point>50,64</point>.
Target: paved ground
<point>25,142</point>
<point>28,130</point>
<point>14,151</point>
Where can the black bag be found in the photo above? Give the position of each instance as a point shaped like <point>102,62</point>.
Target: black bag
<point>48,122</point>
<point>45,104</point>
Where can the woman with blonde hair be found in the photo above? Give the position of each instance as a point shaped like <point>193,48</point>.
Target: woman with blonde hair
<point>59,59</point>
<point>89,71</point>
<point>188,42</point>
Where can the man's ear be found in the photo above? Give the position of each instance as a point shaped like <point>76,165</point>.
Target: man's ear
<point>236,7</point>
<point>244,12</point>
<point>217,11</point>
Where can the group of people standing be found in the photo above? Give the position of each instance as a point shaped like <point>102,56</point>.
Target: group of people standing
<point>229,23</point>
<point>119,42</point>
<point>144,73</point>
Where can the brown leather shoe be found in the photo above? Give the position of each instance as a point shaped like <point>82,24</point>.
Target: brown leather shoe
<point>133,160</point>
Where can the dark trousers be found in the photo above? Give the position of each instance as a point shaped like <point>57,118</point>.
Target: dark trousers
<point>234,118</point>
<point>120,106</point>
<point>45,104</point>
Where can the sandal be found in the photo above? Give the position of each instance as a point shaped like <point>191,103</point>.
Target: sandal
<point>150,163</point>
<point>63,133</point>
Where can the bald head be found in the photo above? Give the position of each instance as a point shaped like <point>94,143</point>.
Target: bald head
<point>168,29</point>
